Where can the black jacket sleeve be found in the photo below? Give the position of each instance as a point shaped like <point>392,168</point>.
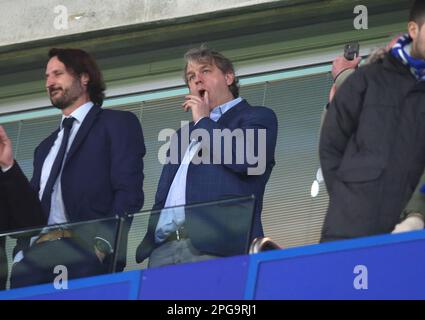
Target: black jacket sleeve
<point>22,202</point>
<point>340,125</point>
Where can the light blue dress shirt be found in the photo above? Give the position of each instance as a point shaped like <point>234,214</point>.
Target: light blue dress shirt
<point>171,217</point>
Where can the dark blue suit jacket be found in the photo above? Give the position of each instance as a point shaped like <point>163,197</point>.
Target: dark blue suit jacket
<point>209,182</point>
<point>103,173</point>
<point>19,205</point>
<point>19,208</point>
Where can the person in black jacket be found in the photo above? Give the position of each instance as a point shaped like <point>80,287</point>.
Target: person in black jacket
<point>373,139</point>
<point>19,204</point>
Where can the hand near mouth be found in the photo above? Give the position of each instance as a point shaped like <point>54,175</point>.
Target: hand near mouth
<point>198,105</point>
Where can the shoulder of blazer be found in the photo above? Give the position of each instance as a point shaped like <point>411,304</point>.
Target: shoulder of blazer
<point>118,120</point>
<point>235,112</point>
<point>244,110</point>
<point>84,130</point>
<point>116,115</point>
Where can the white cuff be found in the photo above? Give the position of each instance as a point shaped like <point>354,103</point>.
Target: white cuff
<point>18,257</point>
<point>5,169</point>
<point>199,120</point>
<point>411,223</point>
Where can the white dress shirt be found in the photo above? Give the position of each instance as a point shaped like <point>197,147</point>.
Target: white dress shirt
<point>57,209</point>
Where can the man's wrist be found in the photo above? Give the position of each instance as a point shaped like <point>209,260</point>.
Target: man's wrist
<point>341,76</point>
<point>6,167</point>
<point>197,121</point>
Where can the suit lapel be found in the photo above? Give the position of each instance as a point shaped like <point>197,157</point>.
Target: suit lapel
<point>173,168</point>
<point>47,145</point>
<point>181,152</point>
<point>40,156</point>
<point>83,131</point>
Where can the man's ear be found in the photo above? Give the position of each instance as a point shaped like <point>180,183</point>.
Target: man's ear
<point>413,29</point>
<point>84,79</point>
<point>230,77</point>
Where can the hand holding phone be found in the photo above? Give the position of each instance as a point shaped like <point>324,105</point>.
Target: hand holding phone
<point>351,50</point>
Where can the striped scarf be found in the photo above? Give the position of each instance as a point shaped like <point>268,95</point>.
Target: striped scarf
<point>416,66</point>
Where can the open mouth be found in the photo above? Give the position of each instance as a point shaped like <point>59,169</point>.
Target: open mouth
<point>202,93</point>
<point>54,92</point>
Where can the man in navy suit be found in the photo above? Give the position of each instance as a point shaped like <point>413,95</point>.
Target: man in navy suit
<point>91,167</point>
<point>216,108</point>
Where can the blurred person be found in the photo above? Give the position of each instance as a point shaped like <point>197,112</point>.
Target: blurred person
<point>370,145</point>
<point>413,216</point>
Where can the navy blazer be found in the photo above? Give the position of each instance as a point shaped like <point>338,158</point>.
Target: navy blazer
<point>19,205</point>
<point>103,172</point>
<point>209,182</point>
<point>19,208</point>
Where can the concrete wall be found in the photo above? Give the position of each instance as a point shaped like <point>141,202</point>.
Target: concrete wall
<point>28,20</point>
<point>139,44</point>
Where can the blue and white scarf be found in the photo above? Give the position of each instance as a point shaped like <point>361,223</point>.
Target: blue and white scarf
<point>416,66</point>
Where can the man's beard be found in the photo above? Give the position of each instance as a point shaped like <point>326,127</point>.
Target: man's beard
<point>67,97</point>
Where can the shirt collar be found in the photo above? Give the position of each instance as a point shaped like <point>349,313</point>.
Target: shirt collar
<point>80,113</point>
<point>218,111</point>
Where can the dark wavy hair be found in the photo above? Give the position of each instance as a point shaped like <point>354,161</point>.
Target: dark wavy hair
<point>78,62</point>
<point>203,54</point>
<point>417,12</point>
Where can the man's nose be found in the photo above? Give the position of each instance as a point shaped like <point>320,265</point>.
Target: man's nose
<point>49,83</point>
<point>198,78</point>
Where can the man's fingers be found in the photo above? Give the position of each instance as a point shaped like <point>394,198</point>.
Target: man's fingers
<point>193,97</point>
<point>357,60</point>
<point>206,98</point>
<point>191,101</point>
<point>187,105</point>
<point>3,135</point>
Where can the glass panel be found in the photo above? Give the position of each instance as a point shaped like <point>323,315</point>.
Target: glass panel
<point>58,253</point>
<point>191,233</point>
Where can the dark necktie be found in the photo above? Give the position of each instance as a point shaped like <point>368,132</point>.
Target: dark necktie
<point>57,165</point>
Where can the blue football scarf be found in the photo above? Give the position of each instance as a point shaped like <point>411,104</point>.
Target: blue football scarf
<point>416,66</point>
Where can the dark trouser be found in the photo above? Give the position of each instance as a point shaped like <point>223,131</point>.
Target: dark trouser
<point>175,252</point>
<point>3,265</point>
<point>40,260</point>
<point>324,239</point>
